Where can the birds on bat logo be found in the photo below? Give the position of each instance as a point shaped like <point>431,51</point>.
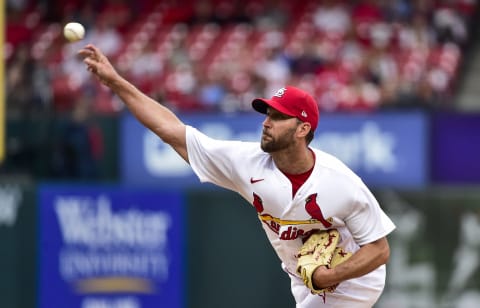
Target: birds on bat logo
<point>289,227</point>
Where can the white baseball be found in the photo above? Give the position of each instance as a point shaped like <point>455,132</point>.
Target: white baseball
<point>73,31</point>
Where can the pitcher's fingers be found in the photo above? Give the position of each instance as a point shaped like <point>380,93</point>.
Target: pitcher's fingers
<point>89,51</point>
<point>84,53</point>
<point>90,68</point>
<point>97,54</point>
<point>90,62</point>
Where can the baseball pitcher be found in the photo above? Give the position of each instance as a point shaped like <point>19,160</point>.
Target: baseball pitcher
<point>323,222</point>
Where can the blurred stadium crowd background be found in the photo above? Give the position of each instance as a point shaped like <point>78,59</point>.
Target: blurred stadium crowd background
<point>216,55</point>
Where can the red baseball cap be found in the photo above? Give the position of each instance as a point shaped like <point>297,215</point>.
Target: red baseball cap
<point>293,102</point>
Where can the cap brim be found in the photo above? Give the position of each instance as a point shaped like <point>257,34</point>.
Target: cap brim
<point>261,104</point>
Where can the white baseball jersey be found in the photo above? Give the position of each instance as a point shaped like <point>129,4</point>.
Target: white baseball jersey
<point>332,197</point>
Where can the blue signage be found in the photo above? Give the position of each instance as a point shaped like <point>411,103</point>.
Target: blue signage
<point>386,150</point>
<point>109,247</point>
<point>456,148</point>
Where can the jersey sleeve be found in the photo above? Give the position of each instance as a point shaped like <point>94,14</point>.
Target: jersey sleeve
<point>367,221</point>
<point>212,160</point>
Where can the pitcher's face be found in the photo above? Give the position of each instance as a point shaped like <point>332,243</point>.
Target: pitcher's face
<point>278,131</point>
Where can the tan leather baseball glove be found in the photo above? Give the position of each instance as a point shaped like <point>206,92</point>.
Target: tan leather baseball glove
<point>320,249</point>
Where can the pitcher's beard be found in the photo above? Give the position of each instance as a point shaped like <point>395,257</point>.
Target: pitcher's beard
<point>269,144</point>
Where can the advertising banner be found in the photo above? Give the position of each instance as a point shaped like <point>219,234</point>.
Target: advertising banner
<point>386,150</point>
<point>456,148</point>
<point>109,247</point>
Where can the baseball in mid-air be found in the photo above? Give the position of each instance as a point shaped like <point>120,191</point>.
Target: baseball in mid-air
<point>73,31</point>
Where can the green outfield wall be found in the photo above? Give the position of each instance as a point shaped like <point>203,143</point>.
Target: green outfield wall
<point>17,243</point>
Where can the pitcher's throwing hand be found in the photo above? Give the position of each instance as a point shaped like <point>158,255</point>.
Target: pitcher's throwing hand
<point>98,64</point>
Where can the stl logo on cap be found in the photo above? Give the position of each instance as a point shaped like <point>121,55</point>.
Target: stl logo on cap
<point>280,92</point>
